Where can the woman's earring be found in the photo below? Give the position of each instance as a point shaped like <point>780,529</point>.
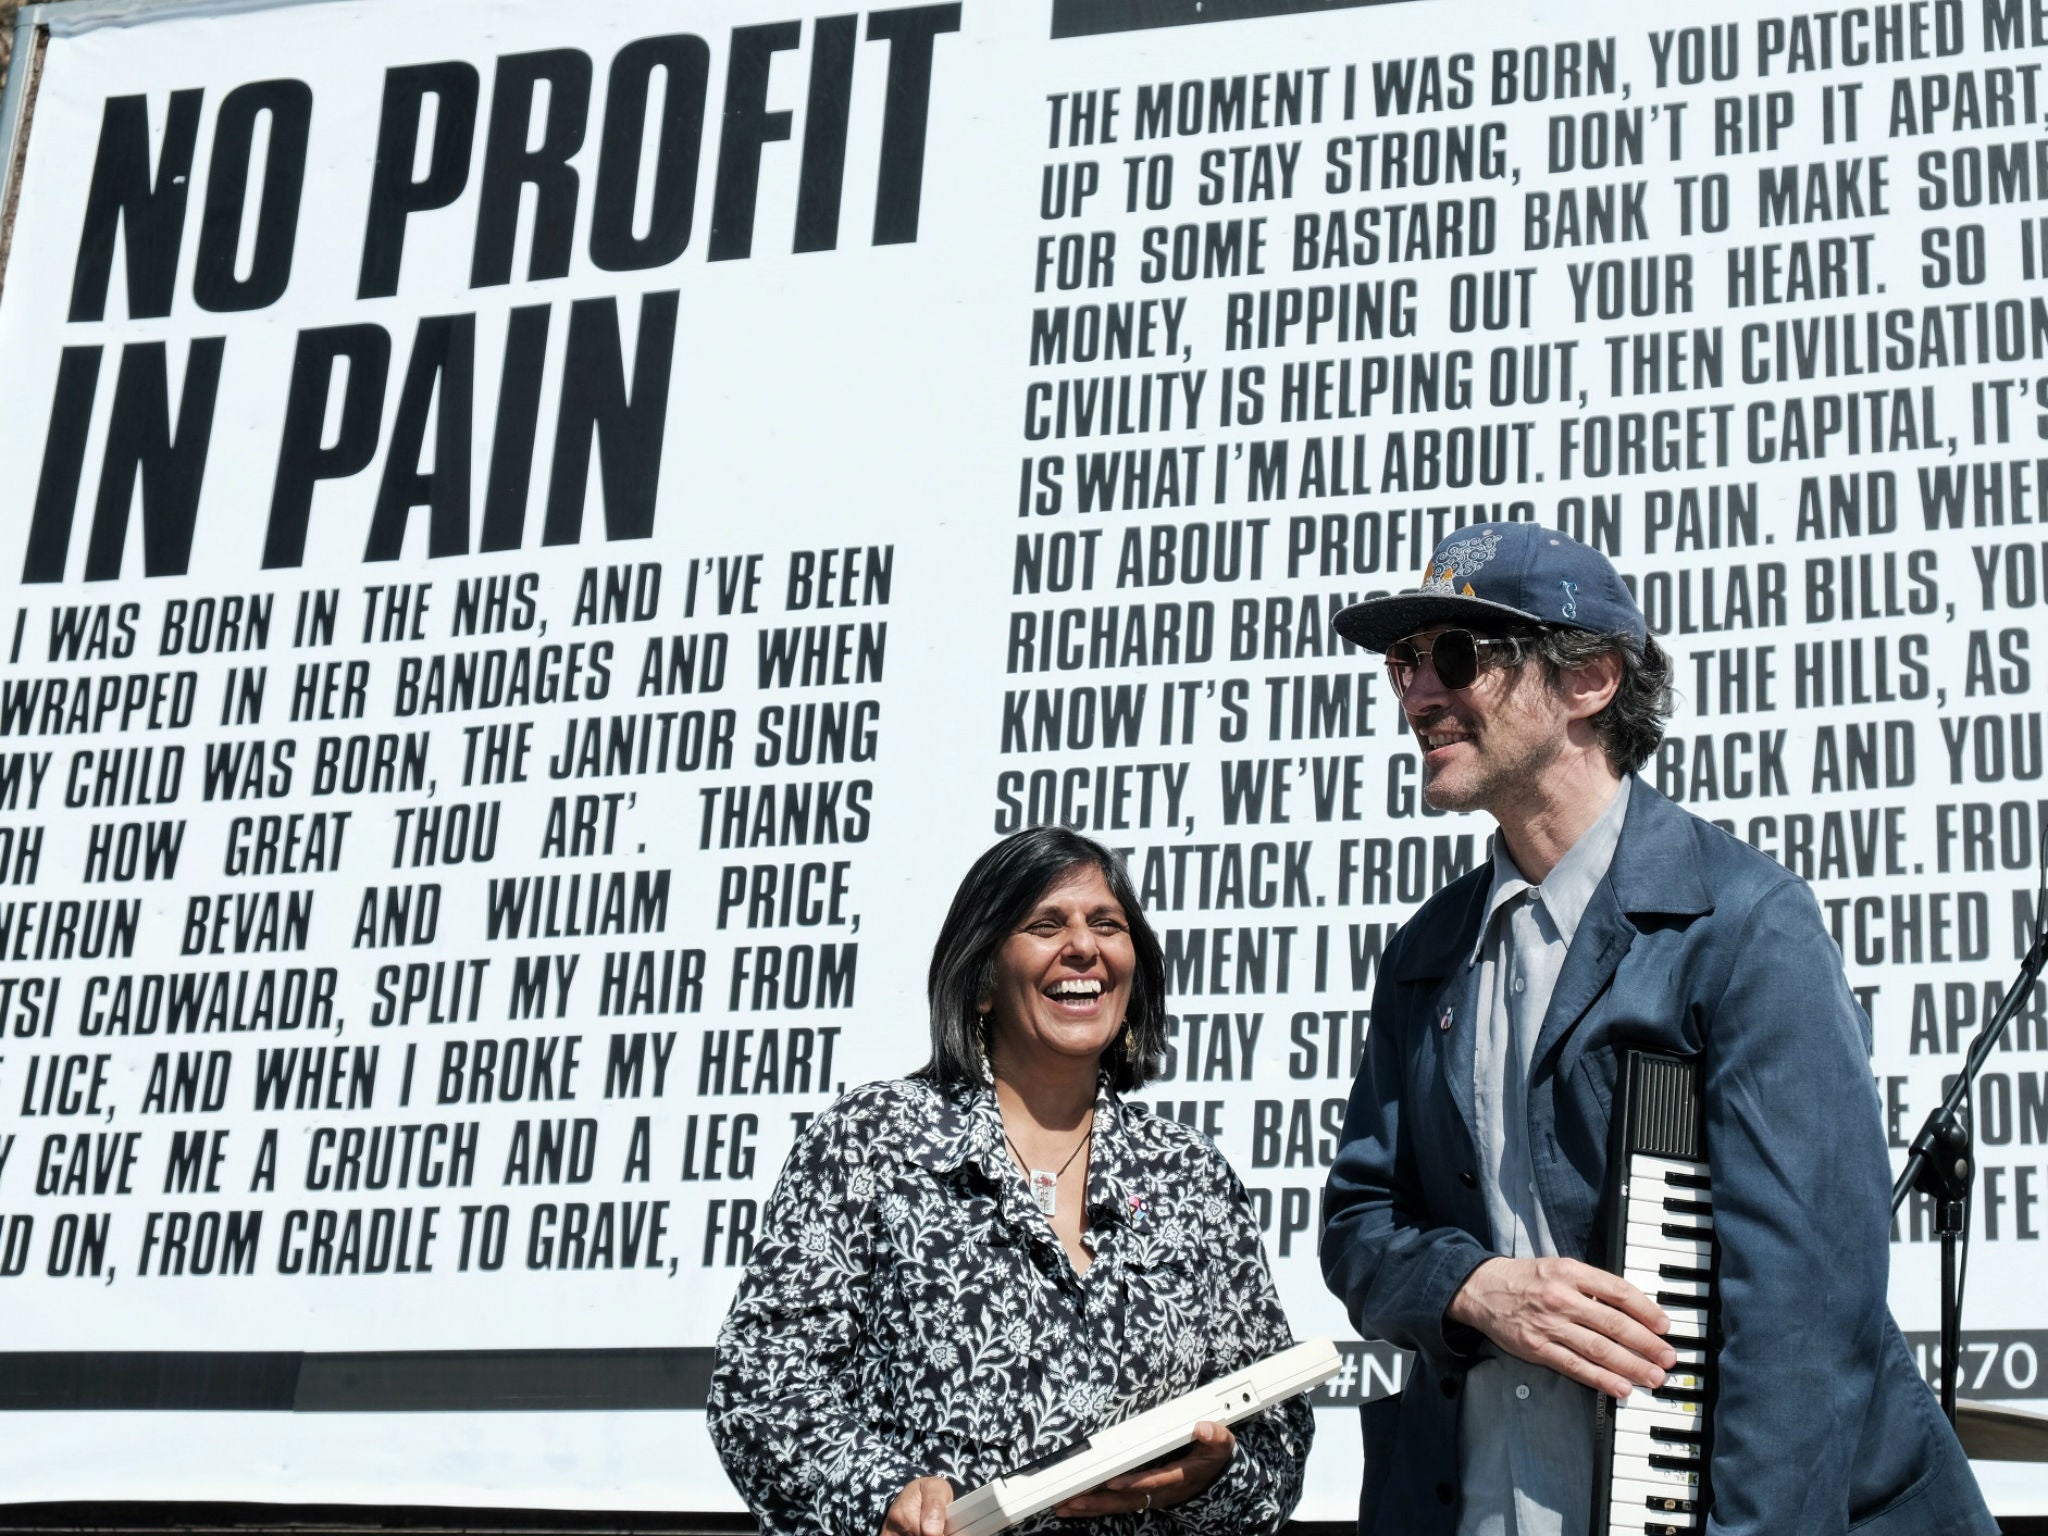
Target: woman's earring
<point>1130,1043</point>
<point>988,1075</point>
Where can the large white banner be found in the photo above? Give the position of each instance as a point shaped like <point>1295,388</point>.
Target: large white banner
<point>538,543</point>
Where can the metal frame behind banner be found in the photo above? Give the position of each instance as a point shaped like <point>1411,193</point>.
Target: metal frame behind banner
<point>17,106</point>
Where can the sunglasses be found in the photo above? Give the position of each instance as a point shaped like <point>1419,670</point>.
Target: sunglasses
<point>1453,654</point>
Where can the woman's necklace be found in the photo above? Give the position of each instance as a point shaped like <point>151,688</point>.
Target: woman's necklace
<point>1043,1183</point>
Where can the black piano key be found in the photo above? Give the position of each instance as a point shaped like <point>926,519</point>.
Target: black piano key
<point>1687,1180</point>
<point>1674,1436</point>
<point>1675,1463</point>
<point>1688,1234</point>
<point>1689,1207</point>
<point>1680,1272</point>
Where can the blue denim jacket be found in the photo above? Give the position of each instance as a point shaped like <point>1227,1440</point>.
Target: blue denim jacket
<point>1695,944</point>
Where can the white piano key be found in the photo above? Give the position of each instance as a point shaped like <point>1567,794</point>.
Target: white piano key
<point>1636,1493</point>
<point>1652,1284</point>
<point>1634,1470</point>
<point>1641,1186</point>
<point>1643,1413</point>
<point>1632,1425</point>
<point>1639,1449</point>
<point>1683,1390</point>
<point>1644,1522</point>
<point>1643,1182</point>
<point>1638,1522</point>
<point>1666,1166</point>
<point>1660,1212</point>
<point>1645,1408</point>
<point>1648,1244</point>
<point>1652,1214</point>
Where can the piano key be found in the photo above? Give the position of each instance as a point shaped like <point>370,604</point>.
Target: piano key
<point>1638,1449</point>
<point>1640,1178</point>
<point>1645,1451</point>
<point>1648,1522</point>
<point>1635,1521</point>
<point>1685,1272</point>
<point>1636,1472</point>
<point>1655,1284</point>
<point>1639,1475</point>
<point>1677,1208</point>
<point>1682,1386</point>
<point>1659,1211</point>
<point>1637,1416</point>
<point>1688,1314</point>
<point>1664,1498</point>
<point>1646,1224</point>
<point>1644,1414</point>
<point>1647,1243</point>
<point>1677,1175</point>
<point>1646,1406</point>
<point>1642,1182</point>
<point>1650,1162</point>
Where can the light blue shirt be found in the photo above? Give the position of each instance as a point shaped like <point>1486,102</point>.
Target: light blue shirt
<point>1525,1433</point>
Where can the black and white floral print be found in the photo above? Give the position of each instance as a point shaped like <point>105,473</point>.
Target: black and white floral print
<point>908,1312</point>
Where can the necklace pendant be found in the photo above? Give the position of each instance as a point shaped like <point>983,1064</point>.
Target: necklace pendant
<point>1045,1190</point>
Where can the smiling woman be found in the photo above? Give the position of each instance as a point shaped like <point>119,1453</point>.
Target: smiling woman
<point>975,1268</point>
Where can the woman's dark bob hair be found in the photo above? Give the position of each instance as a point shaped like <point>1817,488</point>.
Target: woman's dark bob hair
<point>1002,887</point>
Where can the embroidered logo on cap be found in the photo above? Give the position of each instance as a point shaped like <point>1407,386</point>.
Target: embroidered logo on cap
<point>1458,561</point>
<point>1571,599</point>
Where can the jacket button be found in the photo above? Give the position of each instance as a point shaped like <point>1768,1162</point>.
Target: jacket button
<point>1443,1493</point>
<point>1450,1386</point>
<point>1466,1178</point>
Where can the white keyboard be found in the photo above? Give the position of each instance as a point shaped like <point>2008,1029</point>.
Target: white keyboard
<point>1652,1453</point>
<point>1109,1452</point>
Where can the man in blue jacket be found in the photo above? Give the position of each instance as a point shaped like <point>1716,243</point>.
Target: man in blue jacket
<point>1464,1200</point>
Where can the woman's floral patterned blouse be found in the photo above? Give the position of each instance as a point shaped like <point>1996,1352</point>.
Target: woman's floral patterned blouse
<point>908,1312</point>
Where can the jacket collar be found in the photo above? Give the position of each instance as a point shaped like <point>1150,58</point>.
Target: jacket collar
<point>1655,872</point>
<point>1656,869</point>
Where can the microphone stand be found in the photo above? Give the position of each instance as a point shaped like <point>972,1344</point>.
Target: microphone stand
<point>1939,1162</point>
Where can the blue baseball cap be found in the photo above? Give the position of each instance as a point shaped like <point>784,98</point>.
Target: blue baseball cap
<point>1491,574</point>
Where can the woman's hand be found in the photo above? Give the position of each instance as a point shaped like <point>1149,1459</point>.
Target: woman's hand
<point>1187,1476</point>
<point>920,1509</point>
